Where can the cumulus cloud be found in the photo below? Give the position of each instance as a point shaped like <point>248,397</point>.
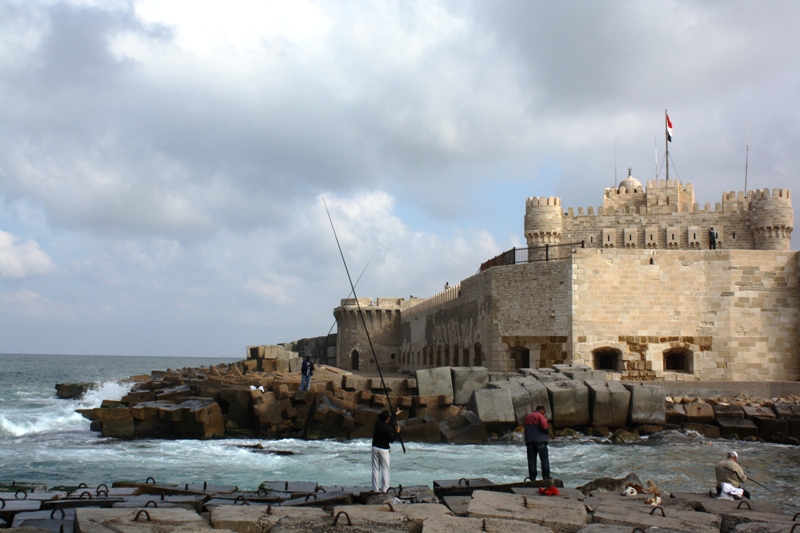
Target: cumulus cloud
<point>20,260</point>
<point>175,155</point>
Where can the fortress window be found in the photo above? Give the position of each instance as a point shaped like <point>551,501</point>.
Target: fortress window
<point>606,359</point>
<point>734,235</point>
<point>678,360</point>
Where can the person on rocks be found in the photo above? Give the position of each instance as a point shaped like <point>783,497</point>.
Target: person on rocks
<point>537,435</point>
<point>306,371</point>
<point>382,437</point>
<point>730,476</point>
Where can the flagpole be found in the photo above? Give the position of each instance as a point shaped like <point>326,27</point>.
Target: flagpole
<point>655,151</point>
<point>615,164</point>
<point>666,143</point>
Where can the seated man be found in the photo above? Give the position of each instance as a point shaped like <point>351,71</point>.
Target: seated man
<point>729,478</point>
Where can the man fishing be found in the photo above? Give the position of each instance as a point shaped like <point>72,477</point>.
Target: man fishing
<point>730,476</point>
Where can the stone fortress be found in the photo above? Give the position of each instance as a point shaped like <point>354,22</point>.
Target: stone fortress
<point>632,289</point>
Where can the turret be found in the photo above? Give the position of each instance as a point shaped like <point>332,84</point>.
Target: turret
<point>543,220</point>
<point>772,219</point>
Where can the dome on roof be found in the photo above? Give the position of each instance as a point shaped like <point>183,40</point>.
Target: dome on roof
<point>630,183</point>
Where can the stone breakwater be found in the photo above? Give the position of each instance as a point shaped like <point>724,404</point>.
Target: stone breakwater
<point>462,505</point>
<point>260,397</point>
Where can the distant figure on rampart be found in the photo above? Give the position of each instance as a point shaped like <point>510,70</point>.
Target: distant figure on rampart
<point>307,370</point>
<point>712,239</point>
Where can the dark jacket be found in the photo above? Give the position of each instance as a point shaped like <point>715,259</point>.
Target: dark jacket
<point>536,428</point>
<point>307,369</point>
<point>383,435</point>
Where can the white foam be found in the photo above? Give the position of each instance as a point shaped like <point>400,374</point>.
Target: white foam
<point>107,390</point>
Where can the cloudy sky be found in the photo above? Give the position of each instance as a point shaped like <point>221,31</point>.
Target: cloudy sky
<point>163,163</point>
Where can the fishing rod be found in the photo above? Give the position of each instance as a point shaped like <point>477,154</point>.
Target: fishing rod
<point>325,344</point>
<point>364,322</point>
<point>749,479</point>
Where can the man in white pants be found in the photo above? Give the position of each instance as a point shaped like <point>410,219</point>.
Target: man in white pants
<point>383,435</point>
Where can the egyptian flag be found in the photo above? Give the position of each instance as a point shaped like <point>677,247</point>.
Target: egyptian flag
<point>669,128</point>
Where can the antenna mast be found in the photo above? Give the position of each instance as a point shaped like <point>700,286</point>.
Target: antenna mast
<point>655,150</point>
<point>747,154</point>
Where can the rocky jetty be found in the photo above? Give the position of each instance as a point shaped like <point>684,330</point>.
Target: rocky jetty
<point>260,397</point>
<point>463,505</point>
<point>73,391</point>
<point>740,417</point>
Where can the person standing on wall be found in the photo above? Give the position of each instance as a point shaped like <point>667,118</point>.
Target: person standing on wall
<point>537,435</point>
<point>712,239</point>
<point>306,371</point>
<point>382,437</point>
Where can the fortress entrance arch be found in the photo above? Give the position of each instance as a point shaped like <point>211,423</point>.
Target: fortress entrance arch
<point>606,359</point>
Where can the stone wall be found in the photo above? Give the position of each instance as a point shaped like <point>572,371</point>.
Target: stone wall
<point>640,314</point>
<point>503,318</point>
<point>382,318</point>
<point>729,315</point>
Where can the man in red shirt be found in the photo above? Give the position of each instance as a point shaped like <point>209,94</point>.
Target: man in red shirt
<point>537,435</point>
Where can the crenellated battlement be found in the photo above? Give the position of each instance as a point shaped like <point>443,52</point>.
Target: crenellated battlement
<point>669,184</point>
<point>542,201</point>
<point>665,215</point>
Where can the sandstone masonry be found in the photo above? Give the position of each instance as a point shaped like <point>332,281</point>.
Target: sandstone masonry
<point>632,289</point>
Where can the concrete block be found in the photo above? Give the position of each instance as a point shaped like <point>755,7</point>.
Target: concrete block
<point>728,411</point>
<point>94,520</point>
<point>434,381</point>
<point>295,363</point>
<point>424,429</point>
<point>772,429</point>
<point>465,428</point>
<point>466,380</point>
<point>556,514</point>
<point>647,404</point>
<point>787,410</point>
<point>763,412</point>
<point>735,428</point>
<point>526,394</point>
<point>493,407</point>
<point>549,377</point>
<point>609,402</point>
<point>539,395</point>
<point>699,413</point>
<point>707,430</point>
<point>675,413</point>
<point>570,403</point>
<point>586,375</point>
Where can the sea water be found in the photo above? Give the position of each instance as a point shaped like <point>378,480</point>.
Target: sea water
<point>43,440</point>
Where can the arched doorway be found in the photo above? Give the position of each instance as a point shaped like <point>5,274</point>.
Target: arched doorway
<point>476,361</point>
<point>607,359</point>
<point>354,360</point>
